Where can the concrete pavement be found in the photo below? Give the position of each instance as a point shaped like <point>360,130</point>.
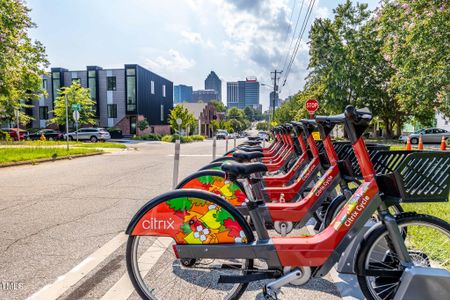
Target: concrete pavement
<point>66,217</point>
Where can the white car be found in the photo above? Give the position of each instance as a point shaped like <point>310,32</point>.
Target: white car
<point>89,134</point>
<point>429,135</point>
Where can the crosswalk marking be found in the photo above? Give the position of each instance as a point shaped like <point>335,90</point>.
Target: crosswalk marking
<point>124,288</point>
<point>66,281</point>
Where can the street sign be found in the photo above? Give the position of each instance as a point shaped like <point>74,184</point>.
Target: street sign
<point>76,115</point>
<point>179,121</point>
<point>311,106</point>
<point>76,107</point>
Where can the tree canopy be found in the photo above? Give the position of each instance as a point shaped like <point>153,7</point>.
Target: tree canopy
<point>22,61</point>
<point>187,118</point>
<point>75,95</point>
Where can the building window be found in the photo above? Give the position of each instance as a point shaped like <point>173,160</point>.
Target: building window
<point>78,80</point>
<point>152,87</point>
<point>56,84</point>
<point>164,90</point>
<point>44,83</point>
<point>111,83</point>
<point>43,112</point>
<point>92,84</point>
<point>131,90</point>
<point>112,110</point>
<point>162,112</point>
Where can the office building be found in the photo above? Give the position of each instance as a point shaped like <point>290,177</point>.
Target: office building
<point>213,82</point>
<point>182,93</point>
<point>123,97</point>
<point>241,94</point>
<point>204,95</point>
<point>232,94</point>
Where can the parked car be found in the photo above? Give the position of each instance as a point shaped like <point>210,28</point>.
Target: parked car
<point>429,135</point>
<point>13,133</point>
<point>263,135</point>
<point>50,135</point>
<point>90,134</point>
<point>221,134</point>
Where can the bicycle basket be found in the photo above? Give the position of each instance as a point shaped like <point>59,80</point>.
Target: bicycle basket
<point>422,176</point>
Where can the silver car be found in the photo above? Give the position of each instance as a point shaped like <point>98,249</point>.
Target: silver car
<point>429,135</point>
<point>90,134</point>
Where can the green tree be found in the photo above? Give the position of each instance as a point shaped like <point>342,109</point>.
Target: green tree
<point>22,61</point>
<point>262,126</point>
<point>235,113</point>
<point>220,107</point>
<point>249,113</point>
<point>75,95</point>
<point>415,36</point>
<point>187,118</point>
<point>143,124</point>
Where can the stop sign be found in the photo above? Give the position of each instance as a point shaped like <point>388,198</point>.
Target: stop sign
<point>311,106</point>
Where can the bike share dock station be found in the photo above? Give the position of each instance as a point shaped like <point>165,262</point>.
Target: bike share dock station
<point>223,213</point>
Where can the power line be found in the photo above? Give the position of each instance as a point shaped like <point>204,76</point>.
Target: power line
<point>293,35</point>
<point>299,38</point>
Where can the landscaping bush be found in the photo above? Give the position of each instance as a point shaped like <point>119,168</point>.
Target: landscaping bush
<point>150,137</point>
<point>4,136</point>
<point>198,137</point>
<point>167,138</point>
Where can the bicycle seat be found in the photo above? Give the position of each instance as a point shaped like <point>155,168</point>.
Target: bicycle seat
<point>243,170</point>
<point>250,148</point>
<point>253,138</point>
<point>252,143</point>
<point>242,155</point>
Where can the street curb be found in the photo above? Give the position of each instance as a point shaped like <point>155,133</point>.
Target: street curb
<point>38,161</point>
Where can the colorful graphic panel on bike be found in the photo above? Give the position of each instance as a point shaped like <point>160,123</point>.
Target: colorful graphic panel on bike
<point>191,221</point>
<point>218,185</point>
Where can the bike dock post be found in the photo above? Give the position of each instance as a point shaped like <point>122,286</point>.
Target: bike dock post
<point>214,148</point>
<point>226,144</point>
<point>234,141</point>
<point>176,163</point>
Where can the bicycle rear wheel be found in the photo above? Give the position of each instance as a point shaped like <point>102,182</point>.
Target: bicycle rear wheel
<point>427,240</point>
<point>156,273</point>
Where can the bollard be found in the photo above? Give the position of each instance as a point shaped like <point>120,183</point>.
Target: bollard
<point>443,143</point>
<point>420,147</point>
<point>264,143</point>
<point>408,143</point>
<point>234,141</point>
<point>214,148</point>
<point>226,144</point>
<point>176,163</point>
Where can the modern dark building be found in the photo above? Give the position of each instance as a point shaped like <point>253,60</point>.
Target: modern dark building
<point>241,94</point>
<point>213,82</point>
<point>123,97</point>
<point>182,93</point>
<point>204,95</point>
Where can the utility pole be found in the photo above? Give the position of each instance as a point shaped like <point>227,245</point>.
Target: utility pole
<point>275,90</point>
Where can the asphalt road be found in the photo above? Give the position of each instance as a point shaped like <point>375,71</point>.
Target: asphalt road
<point>62,223</point>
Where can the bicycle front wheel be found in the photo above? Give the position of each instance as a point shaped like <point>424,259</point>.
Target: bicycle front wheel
<point>156,273</point>
<point>427,240</point>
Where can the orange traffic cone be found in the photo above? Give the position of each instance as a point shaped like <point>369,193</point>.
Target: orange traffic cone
<point>443,143</point>
<point>408,144</point>
<point>420,147</point>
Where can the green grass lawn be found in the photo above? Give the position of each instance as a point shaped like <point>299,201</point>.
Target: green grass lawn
<point>74,144</point>
<point>29,154</point>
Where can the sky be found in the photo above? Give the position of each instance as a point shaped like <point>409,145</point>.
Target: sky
<point>181,40</point>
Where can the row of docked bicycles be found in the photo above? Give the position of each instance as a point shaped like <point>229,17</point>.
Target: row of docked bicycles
<point>264,218</point>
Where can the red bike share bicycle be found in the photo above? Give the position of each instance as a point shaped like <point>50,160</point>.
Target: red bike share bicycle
<point>222,255</point>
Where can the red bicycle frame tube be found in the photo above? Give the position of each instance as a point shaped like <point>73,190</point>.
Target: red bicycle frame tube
<point>315,250</point>
<point>295,211</point>
<point>278,181</point>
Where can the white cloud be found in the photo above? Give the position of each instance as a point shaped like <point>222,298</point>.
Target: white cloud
<point>196,38</point>
<point>173,61</point>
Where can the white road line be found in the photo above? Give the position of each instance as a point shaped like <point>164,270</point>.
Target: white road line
<point>66,281</point>
<point>123,288</point>
<point>192,155</point>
